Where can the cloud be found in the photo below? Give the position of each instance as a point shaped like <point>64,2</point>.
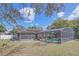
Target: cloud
<point>71,17</point>
<point>28,13</point>
<point>60,14</point>
<point>74,14</point>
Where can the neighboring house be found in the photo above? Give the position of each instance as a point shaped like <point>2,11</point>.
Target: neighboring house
<point>6,35</point>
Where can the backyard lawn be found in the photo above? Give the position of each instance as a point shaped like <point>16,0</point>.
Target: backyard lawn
<point>36,48</point>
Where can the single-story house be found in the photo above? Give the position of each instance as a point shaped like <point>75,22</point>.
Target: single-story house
<point>55,35</point>
<point>32,34</point>
<point>4,35</point>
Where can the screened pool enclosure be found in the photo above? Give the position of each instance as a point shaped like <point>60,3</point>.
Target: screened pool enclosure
<point>61,35</point>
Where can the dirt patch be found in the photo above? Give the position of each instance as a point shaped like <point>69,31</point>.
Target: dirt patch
<point>37,48</point>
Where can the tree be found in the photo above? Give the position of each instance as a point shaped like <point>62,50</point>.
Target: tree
<point>11,14</point>
<point>47,8</point>
<point>1,28</point>
<point>35,27</point>
<point>76,29</point>
<point>71,23</point>
<point>59,23</point>
<point>17,29</point>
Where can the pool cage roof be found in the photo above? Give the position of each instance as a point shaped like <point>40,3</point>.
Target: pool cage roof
<point>60,29</point>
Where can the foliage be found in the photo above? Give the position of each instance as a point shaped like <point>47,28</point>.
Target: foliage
<point>7,11</point>
<point>61,23</point>
<point>11,13</point>
<point>4,42</point>
<point>35,27</point>
<point>52,8</point>
<point>1,28</point>
<point>16,29</point>
<point>47,8</point>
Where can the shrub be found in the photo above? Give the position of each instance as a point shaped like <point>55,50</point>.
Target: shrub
<point>4,42</point>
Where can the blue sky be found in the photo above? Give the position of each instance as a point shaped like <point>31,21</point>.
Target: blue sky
<point>68,12</point>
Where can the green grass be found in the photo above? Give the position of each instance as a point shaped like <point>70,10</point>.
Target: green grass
<point>70,48</point>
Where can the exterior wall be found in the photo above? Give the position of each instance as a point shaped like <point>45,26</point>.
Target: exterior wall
<point>44,36</point>
<point>6,36</point>
<point>37,36</point>
<point>25,36</point>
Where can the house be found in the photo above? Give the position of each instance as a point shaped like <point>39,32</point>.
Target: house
<point>55,35</point>
<point>6,35</point>
<point>31,34</point>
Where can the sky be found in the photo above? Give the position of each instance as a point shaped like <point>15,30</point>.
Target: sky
<point>70,11</point>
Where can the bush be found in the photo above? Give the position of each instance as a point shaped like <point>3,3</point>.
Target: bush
<point>4,42</point>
